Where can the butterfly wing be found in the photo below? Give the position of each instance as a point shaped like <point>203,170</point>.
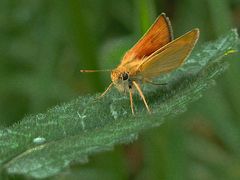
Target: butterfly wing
<point>158,35</point>
<point>170,56</point>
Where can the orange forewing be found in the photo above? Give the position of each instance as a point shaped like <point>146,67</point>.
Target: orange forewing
<point>169,57</point>
<point>158,35</point>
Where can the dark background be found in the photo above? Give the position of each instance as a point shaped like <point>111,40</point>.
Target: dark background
<point>44,44</point>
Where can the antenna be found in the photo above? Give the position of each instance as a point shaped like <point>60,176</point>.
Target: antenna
<point>90,71</point>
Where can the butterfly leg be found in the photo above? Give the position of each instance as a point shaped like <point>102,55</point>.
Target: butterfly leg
<point>153,83</point>
<point>131,101</point>
<point>142,96</point>
<point>105,92</point>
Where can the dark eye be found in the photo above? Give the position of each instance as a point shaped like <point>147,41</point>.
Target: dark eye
<point>125,76</point>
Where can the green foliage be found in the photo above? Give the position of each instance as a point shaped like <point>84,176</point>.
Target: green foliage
<point>42,145</point>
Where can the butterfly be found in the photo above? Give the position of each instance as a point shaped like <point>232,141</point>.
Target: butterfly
<point>156,53</point>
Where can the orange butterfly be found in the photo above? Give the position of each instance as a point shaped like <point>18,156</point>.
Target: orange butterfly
<point>154,54</point>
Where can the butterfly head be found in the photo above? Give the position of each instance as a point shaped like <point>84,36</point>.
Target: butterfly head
<point>120,79</point>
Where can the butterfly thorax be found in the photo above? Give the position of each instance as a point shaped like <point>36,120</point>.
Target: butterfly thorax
<point>124,74</point>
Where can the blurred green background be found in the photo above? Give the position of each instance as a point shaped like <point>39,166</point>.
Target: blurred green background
<point>44,44</point>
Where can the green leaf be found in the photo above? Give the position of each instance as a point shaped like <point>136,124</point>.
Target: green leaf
<point>42,145</point>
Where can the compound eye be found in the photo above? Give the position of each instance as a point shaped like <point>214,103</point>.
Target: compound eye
<point>125,76</point>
